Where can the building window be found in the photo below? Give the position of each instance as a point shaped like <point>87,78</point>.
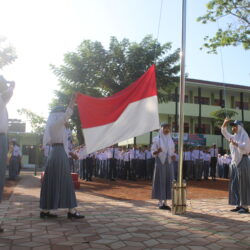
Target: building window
<point>217,102</point>
<point>204,100</point>
<point>173,98</point>
<point>217,130</point>
<point>245,105</point>
<point>186,127</point>
<point>204,129</point>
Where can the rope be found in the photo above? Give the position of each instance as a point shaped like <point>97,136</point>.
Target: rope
<point>223,75</point>
<point>158,30</point>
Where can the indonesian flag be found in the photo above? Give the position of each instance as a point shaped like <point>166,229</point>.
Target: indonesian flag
<point>126,114</point>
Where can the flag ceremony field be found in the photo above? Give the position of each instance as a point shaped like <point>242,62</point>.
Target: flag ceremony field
<point>113,222</point>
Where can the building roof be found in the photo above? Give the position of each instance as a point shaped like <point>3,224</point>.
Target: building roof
<point>218,84</point>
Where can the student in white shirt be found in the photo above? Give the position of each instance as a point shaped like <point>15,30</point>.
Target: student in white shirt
<point>239,188</point>
<point>6,91</point>
<point>57,189</point>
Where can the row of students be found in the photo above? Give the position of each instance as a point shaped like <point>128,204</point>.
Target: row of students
<point>116,162</point>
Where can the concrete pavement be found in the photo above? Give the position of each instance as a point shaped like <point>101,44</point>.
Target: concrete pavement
<point>119,224</point>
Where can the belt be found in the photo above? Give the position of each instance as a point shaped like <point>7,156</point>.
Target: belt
<point>57,144</point>
<point>245,155</point>
<point>2,133</point>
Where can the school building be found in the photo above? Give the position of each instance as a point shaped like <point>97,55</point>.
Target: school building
<point>202,98</point>
<point>30,143</point>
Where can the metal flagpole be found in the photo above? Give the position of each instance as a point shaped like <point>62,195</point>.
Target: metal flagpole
<point>179,187</point>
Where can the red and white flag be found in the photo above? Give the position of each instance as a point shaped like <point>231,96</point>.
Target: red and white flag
<point>126,114</point>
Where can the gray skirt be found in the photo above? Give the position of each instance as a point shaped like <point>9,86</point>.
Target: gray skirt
<point>239,185</point>
<point>162,180</point>
<point>244,180</point>
<point>57,189</point>
<point>3,159</point>
<point>14,167</point>
<point>234,196</point>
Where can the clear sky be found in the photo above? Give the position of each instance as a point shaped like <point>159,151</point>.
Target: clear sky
<point>42,31</point>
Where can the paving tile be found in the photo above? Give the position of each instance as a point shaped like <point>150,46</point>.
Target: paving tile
<point>112,224</point>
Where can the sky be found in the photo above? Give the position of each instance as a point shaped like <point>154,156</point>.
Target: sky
<point>42,31</point>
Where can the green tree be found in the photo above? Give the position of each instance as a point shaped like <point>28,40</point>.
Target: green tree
<point>7,53</point>
<point>219,116</point>
<point>37,122</point>
<point>237,30</point>
<point>96,71</point>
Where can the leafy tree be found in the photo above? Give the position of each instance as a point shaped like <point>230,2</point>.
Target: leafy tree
<point>96,71</point>
<point>37,122</point>
<point>237,30</point>
<point>7,53</point>
<point>220,115</point>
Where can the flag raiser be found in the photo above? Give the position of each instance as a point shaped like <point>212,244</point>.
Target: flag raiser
<point>130,112</point>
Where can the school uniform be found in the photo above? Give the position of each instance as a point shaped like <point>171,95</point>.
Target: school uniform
<point>57,190</point>
<point>188,165</point>
<point>239,187</point>
<point>14,164</point>
<point>3,135</point>
<point>206,163</point>
<point>220,167</point>
<point>163,172</point>
<point>150,160</point>
<point>198,165</point>
<point>133,156</point>
<point>213,163</point>
<point>126,159</point>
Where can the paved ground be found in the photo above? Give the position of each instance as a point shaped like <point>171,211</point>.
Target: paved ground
<point>141,190</point>
<point>119,224</point>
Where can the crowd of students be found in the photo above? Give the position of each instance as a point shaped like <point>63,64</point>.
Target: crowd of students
<point>133,163</point>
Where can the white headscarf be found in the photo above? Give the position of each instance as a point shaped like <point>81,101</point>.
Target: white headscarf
<point>165,142</point>
<point>53,119</point>
<point>243,141</point>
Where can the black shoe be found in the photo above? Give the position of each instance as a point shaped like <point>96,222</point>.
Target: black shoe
<point>165,207</point>
<point>44,215</point>
<point>75,215</point>
<point>235,209</point>
<point>243,211</point>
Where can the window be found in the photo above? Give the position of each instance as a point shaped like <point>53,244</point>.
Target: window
<point>217,130</point>
<point>186,127</point>
<point>217,102</point>
<point>204,100</point>
<point>204,129</point>
<point>245,105</point>
<point>173,98</point>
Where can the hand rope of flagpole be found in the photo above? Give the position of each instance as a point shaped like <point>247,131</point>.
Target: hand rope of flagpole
<point>158,31</point>
<point>223,75</point>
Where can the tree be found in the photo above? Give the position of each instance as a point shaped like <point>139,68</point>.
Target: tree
<point>220,115</point>
<point>7,53</point>
<point>99,72</point>
<point>37,122</point>
<point>237,30</point>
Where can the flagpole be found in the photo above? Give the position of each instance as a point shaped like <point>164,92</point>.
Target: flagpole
<point>179,187</point>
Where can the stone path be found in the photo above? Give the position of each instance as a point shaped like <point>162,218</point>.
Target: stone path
<point>117,224</point>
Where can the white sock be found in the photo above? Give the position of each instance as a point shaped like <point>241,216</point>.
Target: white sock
<point>72,210</point>
<point>160,203</point>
